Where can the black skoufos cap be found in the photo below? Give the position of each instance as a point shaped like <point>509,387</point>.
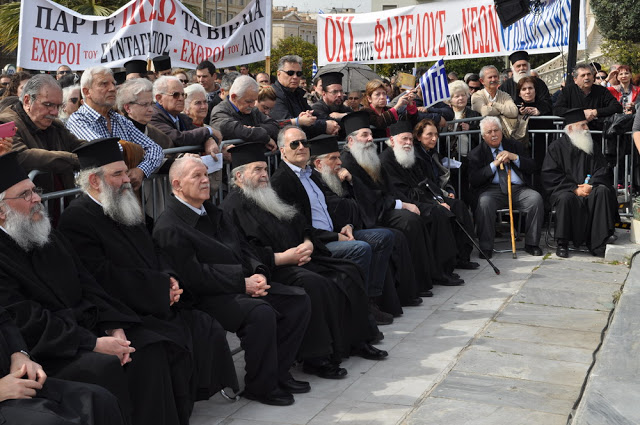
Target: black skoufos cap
<point>10,171</point>
<point>355,121</point>
<point>323,144</point>
<point>246,153</point>
<point>135,66</point>
<point>402,126</point>
<point>99,152</point>
<point>574,115</point>
<point>520,55</point>
<point>331,78</point>
<point>161,63</point>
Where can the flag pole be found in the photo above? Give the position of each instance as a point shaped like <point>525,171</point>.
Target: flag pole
<point>267,65</point>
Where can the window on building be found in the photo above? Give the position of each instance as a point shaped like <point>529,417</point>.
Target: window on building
<point>219,19</point>
<point>389,7</point>
<point>241,2</point>
<point>229,16</point>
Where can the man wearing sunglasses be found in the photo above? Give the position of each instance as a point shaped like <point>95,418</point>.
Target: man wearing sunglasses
<point>42,142</point>
<point>62,71</point>
<point>168,117</point>
<point>291,105</point>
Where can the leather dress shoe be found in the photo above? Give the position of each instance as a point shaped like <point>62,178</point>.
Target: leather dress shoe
<point>426,294</point>
<point>562,251</point>
<point>326,370</point>
<point>448,281</point>
<point>368,351</point>
<point>486,254</point>
<point>380,316</point>
<point>467,265</point>
<point>533,250</point>
<point>377,339</point>
<point>277,397</point>
<point>414,302</point>
<point>294,386</point>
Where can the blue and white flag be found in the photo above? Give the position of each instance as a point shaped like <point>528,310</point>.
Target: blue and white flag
<point>434,84</point>
<point>314,69</point>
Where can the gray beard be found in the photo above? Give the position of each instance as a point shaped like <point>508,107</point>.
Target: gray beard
<point>267,199</point>
<point>582,140</point>
<point>121,204</point>
<point>367,157</point>
<point>332,180</point>
<point>517,76</point>
<point>25,231</point>
<point>404,158</point>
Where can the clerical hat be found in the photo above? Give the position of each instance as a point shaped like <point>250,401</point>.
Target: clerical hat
<point>520,55</point>
<point>402,126</point>
<point>10,171</point>
<point>323,144</point>
<point>331,78</point>
<point>355,121</point>
<point>135,66</point>
<point>246,153</point>
<point>161,63</point>
<point>99,152</point>
<point>120,77</point>
<point>574,115</point>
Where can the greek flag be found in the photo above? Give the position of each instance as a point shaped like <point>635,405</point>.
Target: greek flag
<point>434,84</point>
<point>314,69</point>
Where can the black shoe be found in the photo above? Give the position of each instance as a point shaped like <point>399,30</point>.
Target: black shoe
<point>533,250</point>
<point>600,251</point>
<point>413,302</point>
<point>454,275</point>
<point>562,251</point>
<point>326,370</point>
<point>377,339</point>
<point>467,265</point>
<point>380,316</point>
<point>294,386</point>
<point>426,294</point>
<point>368,351</point>
<point>277,397</point>
<point>448,281</point>
<point>486,254</point>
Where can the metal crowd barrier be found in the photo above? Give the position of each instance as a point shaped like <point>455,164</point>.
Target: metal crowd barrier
<point>157,187</point>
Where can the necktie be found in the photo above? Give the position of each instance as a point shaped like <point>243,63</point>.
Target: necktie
<point>502,174</point>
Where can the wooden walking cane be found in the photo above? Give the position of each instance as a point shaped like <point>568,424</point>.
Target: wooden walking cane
<point>513,232</point>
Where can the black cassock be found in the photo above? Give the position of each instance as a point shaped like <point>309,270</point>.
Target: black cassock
<point>590,219</point>
<point>346,319</point>
<point>60,310</point>
<point>58,402</point>
<point>124,260</point>
<point>377,203</point>
<point>213,261</point>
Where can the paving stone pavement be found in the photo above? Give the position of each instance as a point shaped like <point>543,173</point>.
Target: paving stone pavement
<point>508,349</point>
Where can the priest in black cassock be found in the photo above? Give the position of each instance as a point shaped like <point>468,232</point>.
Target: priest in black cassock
<point>106,228</point>
<point>331,106</point>
<point>30,397</point>
<point>226,280</point>
<point>68,322</point>
<point>522,68</point>
<point>382,204</point>
<point>291,248</point>
<point>579,183</point>
<point>409,173</point>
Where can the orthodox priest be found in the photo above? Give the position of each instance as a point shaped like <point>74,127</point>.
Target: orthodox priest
<point>106,228</point>
<point>68,322</point>
<point>522,68</point>
<point>579,183</point>
<point>284,241</point>
<point>226,280</point>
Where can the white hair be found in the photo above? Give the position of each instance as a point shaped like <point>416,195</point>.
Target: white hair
<point>129,91</point>
<point>486,68</point>
<point>161,85</point>
<point>489,120</point>
<point>189,90</point>
<point>86,81</point>
<point>242,84</point>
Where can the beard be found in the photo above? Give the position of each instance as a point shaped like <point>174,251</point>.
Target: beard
<point>581,139</point>
<point>405,158</point>
<point>367,157</point>
<point>267,199</point>
<point>332,180</point>
<point>120,204</point>
<point>517,76</point>
<point>27,232</point>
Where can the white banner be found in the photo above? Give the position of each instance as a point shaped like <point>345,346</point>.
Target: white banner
<point>52,35</point>
<point>455,29</point>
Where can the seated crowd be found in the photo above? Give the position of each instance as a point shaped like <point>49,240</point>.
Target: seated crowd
<point>127,314</point>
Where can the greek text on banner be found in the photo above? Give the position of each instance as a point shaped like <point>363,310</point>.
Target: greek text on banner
<point>52,35</point>
<point>456,29</point>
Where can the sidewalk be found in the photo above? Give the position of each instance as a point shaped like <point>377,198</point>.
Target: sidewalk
<point>508,349</point>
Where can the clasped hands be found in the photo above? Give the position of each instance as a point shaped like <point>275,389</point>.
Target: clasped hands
<point>504,157</point>
<point>583,190</point>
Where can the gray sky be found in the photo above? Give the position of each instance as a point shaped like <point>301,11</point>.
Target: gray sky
<point>312,6</point>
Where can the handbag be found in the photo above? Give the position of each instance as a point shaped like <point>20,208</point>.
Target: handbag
<point>618,124</point>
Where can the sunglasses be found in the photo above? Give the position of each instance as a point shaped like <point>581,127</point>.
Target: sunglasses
<point>176,95</point>
<point>4,84</point>
<point>296,144</point>
<point>353,98</point>
<point>474,88</point>
<point>600,77</point>
<point>183,81</point>
<point>74,100</point>
<point>63,72</point>
<point>292,73</point>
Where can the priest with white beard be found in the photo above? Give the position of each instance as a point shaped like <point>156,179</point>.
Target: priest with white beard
<point>579,184</point>
<point>522,68</point>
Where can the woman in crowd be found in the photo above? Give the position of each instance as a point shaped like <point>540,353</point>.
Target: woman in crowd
<point>266,100</point>
<point>182,76</point>
<point>12,94</point>
<point>380,115</point>
<point>625,92</point>
<point>70,102</point>
<point>462,144</point>
<point>195,104</point>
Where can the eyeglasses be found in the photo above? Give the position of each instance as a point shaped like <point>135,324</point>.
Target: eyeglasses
<point>64,72</point>
<point>296,144</point>
<point>291,73</point>
<point>199,103</point>
<point>353,98</point>
<point>4,84</point>
<point>176,95</point>
<point>49,105</point>
<point>336,92</point>
<point>600,77</point>
<point>74,100</point>
<point>474,88</point>
<point>144,105</point>
<point>183,81</point>
<point>27,195</point>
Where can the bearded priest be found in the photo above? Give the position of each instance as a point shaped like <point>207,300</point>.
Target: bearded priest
<point>580,186</point>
